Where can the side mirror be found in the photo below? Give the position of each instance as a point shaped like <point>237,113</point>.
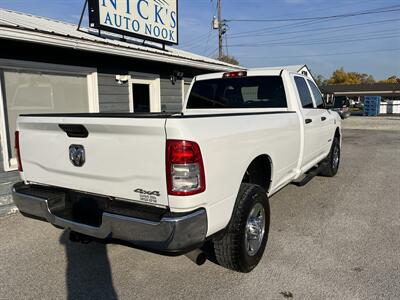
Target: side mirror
<point>328,105</point>
<point>345,115</point>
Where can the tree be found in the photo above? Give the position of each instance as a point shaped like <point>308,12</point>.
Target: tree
<point>391,79</point>
<point>321,80</point>
<point>340,76</point>
<point>365,78</point>
<point>229,59</point>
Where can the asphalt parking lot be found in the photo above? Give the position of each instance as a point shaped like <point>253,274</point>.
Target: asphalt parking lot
<point>334,238</point>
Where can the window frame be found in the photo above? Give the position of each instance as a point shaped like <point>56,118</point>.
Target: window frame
<point>9,162</point>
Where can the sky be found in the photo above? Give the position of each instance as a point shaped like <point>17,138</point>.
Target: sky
<point>365,43</point>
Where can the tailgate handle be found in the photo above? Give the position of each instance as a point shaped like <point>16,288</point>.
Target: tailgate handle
<point>75,130</point>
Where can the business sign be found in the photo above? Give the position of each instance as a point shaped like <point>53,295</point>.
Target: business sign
<point>155,20</point>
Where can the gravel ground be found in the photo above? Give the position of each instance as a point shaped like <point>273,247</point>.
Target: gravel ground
<point>334,238</point>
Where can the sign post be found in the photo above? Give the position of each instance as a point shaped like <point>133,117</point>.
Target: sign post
<point>153,20</point>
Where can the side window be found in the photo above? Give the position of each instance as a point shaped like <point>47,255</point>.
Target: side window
<point>317,95</point>
<point>304,92</point>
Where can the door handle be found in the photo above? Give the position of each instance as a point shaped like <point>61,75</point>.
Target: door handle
<point>323,119</point>
<point>308,121</point>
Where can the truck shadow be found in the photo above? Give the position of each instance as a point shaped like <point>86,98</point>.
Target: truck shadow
<point>88,274</point>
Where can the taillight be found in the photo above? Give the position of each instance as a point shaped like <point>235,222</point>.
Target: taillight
<point>185,169</point>
<point>18,152</point>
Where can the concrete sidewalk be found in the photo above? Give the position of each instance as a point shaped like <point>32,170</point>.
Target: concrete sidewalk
<point>6,182</point>
<point>391,123</point>
<point>7,206</point>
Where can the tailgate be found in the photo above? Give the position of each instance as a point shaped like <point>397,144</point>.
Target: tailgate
<point>124,157</point>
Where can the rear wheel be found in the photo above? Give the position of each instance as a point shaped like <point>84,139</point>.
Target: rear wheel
<point>332,162</point>
<point>243,244</point>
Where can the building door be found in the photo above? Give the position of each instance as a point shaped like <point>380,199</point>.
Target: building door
<point>141,97</point>
<point>144,90</point>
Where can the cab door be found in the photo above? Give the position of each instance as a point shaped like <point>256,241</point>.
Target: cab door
<point>326,119</point>
<point>311,118</point>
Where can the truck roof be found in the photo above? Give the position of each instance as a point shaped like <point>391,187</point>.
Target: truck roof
<point>250,72</point>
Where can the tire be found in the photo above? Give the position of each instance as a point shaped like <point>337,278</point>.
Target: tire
<point>233,250</point>
<point>332,162</point>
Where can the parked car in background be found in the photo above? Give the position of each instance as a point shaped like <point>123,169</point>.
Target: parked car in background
<point>174,181</point>
<point>341,105</point>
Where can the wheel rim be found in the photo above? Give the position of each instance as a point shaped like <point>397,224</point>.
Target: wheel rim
<point>255,229</point>
<point>336,157</point>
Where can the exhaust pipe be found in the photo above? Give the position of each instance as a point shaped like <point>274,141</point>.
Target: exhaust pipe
<point>197,256</point>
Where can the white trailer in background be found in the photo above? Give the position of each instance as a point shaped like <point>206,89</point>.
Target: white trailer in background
<point>390,107</point>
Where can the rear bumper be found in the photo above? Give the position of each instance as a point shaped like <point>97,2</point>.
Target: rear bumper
<point>174,233</point>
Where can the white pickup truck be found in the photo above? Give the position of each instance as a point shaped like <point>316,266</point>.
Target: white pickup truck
<point>173,182</point>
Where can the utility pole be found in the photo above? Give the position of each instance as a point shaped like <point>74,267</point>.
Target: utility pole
<point>220,25</point>
<point>220,32</point>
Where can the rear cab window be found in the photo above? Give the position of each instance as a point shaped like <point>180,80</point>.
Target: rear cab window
<point>241,92</point>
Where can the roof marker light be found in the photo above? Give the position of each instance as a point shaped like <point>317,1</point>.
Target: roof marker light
<point>235,74</point>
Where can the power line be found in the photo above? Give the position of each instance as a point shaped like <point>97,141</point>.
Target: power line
<point>319,42</point>
<point>195,40</point>
<point>275,28</point>
<point>213,52</point>
<point>307,35</point>
<point>212,28</point>
<point>208,41</point>
<point>354,14</point>
<point>226,45</point>
<point>299,24</point>
<point>331,29</point>
<point>327,54</point>
<point>309,38</point>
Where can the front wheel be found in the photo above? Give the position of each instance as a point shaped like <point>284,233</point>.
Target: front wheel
<point>332,162</point>
<point>242,246</point>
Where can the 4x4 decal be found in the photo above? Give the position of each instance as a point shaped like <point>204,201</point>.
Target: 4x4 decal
<point>153,193</point>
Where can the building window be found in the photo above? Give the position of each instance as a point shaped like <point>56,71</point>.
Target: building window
<point>27,92</point>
